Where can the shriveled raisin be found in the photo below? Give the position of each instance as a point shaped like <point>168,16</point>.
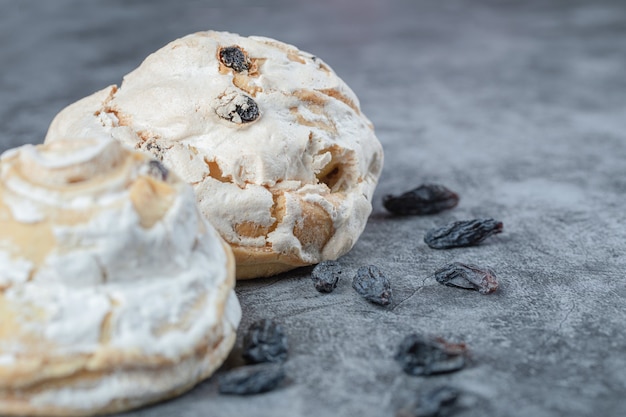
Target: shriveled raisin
<point>421,355</point>
<point>372,285</point>
<point>248,111</point>
<point>462,233</point>
<point>237,108</point>
<point>468,276</point>
<point>251,379</point>
<point>325,276</point>
<point>235,58</point>
<point>157,170</point>
<point>425,199</point>
<point>265,341</point>
<point>434,402</point>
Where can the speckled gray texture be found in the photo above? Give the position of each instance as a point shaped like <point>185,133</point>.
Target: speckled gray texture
<point>520,107</point>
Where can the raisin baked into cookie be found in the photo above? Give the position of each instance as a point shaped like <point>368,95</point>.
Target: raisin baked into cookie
<point>283,161</point>
<point>114,290</point>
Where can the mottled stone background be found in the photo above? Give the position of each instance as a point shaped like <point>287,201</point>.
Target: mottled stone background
<point>520,106</point>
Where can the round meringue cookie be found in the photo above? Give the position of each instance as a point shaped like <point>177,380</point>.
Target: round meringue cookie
<point>114,290</point>
<point>283,161</point>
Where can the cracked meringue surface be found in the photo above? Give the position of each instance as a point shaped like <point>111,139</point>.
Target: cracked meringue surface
<point>114,290</point>
<point>282,160</point>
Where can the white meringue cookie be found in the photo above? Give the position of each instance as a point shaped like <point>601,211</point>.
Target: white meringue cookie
<point>283,162</point>
<point>114,290</point>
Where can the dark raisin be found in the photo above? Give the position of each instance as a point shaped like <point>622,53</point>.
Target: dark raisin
<point>251,379</point>
<point>462,233</point>
<point>265,341</point>
<point>249,111</point>
<point>157,170</point>
<point>233,57</point>
<point>325,276</point>
<point>434,402</point>
<point>237,108</point>
<point>420,355</point>
<point>370,283</point>
<point>468,276</point>
<point>425,199</point>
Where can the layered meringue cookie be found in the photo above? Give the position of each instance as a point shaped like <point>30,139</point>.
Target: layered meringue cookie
<point>114,290</point>
<point>283,161</point>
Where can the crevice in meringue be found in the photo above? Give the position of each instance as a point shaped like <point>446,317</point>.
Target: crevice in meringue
<point>333,173</point>
<point>122,119</point>
<point>253,230</point>
<point>310,96</point>
<point>242,82</point>
<point>106,101</point>
<point>336,94</point>
<point>331,176</point>
<point>293,54</point>
<point>324,68</point>
<point>325,124</point>
<point>215,171</point>
<point>315,228</point>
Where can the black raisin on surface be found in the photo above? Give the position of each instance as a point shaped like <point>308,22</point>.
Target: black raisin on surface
<point>251,379</point>
<point>421,355</point>
<point>249,111</point>
<point>372,285</point>
<point>425,199</point>
<point>233,57</point>
<point>325,276</point>
<point>468,276</point>
<point>157,170</point>
<point>265,341</point>
<point>434,402</point>
<point>237,108</point>
<point>462,233</point>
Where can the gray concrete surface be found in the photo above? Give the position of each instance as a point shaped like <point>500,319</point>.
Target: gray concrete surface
<point>519,106</point>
